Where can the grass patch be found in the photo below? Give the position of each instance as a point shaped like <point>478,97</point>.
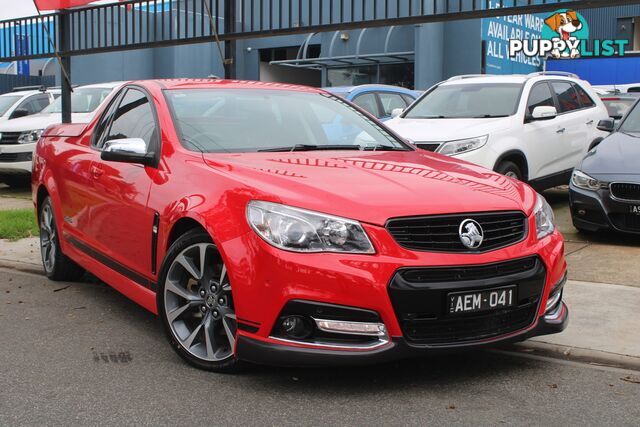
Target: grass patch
<point>18,224</point>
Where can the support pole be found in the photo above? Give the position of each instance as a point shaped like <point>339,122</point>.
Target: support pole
<point>230,45</point>
<point>65,64</point>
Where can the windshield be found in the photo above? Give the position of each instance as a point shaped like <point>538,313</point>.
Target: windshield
<point>468,101</point>
<point>632,122</point>
<point>248,120</point>
<point>6,102</point>
<point>85,100</point>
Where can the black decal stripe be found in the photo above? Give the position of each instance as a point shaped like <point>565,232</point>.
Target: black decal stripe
<point>114,265</point>
<point>247,328</point>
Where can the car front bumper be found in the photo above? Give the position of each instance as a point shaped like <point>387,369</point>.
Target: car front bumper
<point>364,282</point>
<point>16,159</point>
<point>598,211</point>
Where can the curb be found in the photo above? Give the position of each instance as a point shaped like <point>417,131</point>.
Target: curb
<point>574,354</point>
<point>24,267</point>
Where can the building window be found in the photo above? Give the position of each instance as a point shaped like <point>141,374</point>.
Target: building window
<point>390,74</point>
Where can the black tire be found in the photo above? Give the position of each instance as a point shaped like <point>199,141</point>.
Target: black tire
<point>16,181</point>
<point>57,266</point>
<point>180,247</point>
<point>510,169</point>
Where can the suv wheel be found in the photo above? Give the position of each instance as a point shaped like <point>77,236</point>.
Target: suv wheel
<point>511,170</point>
<point>195,304</point>
<point>56,264</point>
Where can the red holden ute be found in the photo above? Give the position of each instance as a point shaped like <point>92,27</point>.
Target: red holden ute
<point>282,225</point>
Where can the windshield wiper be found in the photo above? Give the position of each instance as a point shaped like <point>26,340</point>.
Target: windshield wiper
<point>490,116</point>
<point>426,117</point>
<point>381,147</point>
<point>310,147</point>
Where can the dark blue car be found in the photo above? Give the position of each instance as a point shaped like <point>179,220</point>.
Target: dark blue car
<point>379,100</point>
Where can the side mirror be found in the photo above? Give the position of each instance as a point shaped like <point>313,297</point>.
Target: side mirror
<point>396,112</point>
<point>127,150</point>
<point>19,112</point>
<point>543,113</point>
<point>607,125</point>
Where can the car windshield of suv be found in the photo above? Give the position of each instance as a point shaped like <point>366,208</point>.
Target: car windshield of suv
<point>458,101</point>
<point>618,107</point>
<point>632,123</point>
<point>247,120</point>
<point>85,100</point>
<point>6,102</point>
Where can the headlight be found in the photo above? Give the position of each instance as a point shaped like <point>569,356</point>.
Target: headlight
<point>545,220</point>
<point>584,181</point>
<point>30,137</point>
<point>300,230</point>
<point>452,148</point>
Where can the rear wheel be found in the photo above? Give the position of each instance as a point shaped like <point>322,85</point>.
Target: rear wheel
<point>195,304</point>
<point>510,169</point>
<point>57,266</point>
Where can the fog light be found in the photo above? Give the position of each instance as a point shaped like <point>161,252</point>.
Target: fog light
<point>297,327</point>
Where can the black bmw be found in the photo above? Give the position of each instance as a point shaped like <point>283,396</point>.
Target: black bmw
<point>605,187</point>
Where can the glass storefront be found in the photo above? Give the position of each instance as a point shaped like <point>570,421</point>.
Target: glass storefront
<point>390,74</point>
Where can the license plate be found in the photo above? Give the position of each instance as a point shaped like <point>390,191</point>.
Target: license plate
<point>634,209</point>
<point>490,299</point>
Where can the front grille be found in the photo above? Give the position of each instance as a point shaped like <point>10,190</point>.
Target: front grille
<point>626,222</point>
<point>441,233</point>
<point>15,157</point>
<point>9,137</point>
<point>429,146</point>
<point>419,298</point>
<point>471,328</point>
<point>625,191</point>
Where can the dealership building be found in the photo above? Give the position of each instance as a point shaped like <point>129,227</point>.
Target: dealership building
<point>414,56</point>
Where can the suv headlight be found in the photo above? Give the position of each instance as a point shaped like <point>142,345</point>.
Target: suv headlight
<point>584,181</point>
<point>452,148</point>
<point>545,220</point>
<point>30,137</point>
<point>299,230</point>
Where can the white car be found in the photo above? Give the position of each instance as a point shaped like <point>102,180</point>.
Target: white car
<point>535,128</point>
<point>18,137</point>
<point>20,103</point>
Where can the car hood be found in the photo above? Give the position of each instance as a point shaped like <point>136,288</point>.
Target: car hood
<point>374,186</point>
<point>618,154</point>
<point>438,130</point>
<point>41,121</point>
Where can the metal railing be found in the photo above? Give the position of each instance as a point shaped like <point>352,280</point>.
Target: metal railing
<point>139,24</point>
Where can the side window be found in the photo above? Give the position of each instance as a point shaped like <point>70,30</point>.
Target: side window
<point>540,96</point>
<point>134,118</point>
<point>368,102</point>
<point>567,96</point>
<point>34,104</point>
<point>391,101</point>
<point>409,100</point>
<point>585,99</point>
<point>100,135</point>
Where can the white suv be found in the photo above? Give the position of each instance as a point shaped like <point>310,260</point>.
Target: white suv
<point>536,128</point>
<point>20,103</point>
<point>18,137</point>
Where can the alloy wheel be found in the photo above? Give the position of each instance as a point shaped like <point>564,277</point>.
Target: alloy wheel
<point>199,305</point>
<point>48,236</point>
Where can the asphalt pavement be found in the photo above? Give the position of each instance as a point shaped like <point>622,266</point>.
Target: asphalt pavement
<point>82,354</point>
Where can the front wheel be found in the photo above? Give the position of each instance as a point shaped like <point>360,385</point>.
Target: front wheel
<point>511,170</point>
<point>195,304</point>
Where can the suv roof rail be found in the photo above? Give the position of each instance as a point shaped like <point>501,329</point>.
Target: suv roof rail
<point>467,76</point>
<point>41,88</point>
<point>553,73</point>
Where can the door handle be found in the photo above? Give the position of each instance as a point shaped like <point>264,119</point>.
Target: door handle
<point>561,130</point>
<point>96,172</point>
<point>590,122</point>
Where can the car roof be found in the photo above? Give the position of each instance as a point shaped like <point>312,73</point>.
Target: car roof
<point>24,93</point>
<point>510,78</point>
<point>172,84</point>
<point>107,85</point>
<point>350,89</point>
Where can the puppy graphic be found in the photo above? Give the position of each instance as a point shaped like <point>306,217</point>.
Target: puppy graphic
<point>565,24</point>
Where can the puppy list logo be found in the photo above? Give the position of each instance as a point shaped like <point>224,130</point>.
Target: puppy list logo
<point>566,35</point>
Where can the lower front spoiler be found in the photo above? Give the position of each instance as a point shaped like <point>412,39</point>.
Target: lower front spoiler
<point>267,353</point>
